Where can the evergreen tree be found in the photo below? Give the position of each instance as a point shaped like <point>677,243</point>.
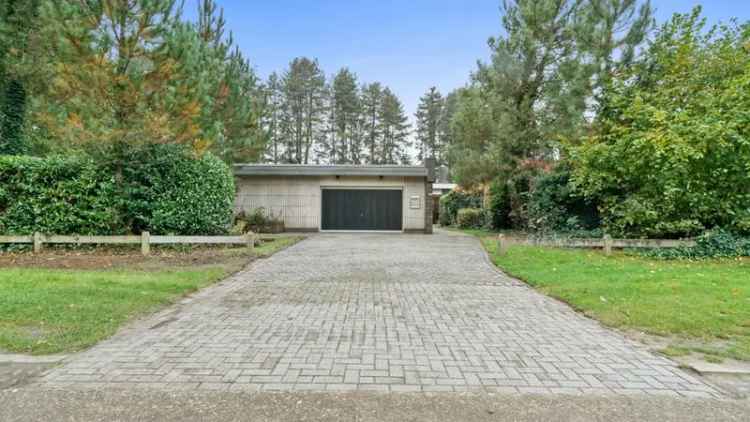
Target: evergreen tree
<point>344,114</point>
<point>18,18</point>
<point>372,104</point>
<point>303,86</point>
<point>394,132</point>
<point>429,115</point>
<point>273,126</point>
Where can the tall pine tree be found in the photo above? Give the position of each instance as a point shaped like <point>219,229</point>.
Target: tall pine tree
<point>429,116</point>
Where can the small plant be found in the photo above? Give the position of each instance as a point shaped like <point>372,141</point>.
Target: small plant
<point>715,244</point>
<point>470,218</point>
<point>258,220</point>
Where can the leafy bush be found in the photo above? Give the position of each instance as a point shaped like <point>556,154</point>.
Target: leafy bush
<point>161,189</point>
<point>499,205</point>
<point>452,202</point>
<point>670,153</point>
<point>470,218</point>
<point>554,206</point>
<point>168,191</point>
<point>57,195</point>
<point>258,221</point>
<point>715,244</point>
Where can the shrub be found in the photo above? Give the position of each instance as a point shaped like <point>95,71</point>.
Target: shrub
<point>470,218</point>
<point>452,202</point>
<point>258,221</point>
<point>499,205</point>
<point>555,207</point>
<point>715,244</point>
<point>669,155</point>
<point>161,189</point>
<point>57,195</point>
<point>168,191</point>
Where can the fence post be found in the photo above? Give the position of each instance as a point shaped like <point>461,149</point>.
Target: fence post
<point>38,241</point>
<point>145,243</point>
<point>250,240</point>
<point>502,244</point>
<point>607,245</point>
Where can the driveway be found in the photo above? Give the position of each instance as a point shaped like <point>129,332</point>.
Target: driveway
<point>371,312</point>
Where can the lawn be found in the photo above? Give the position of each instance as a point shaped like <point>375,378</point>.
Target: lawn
<point>54,310</point>
<point>701,306</point>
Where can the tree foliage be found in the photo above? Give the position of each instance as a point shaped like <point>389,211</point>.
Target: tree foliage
<point>670,154</point>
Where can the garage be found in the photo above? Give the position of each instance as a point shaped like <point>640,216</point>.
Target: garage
<point>362,209</point>
<point>324,198</point>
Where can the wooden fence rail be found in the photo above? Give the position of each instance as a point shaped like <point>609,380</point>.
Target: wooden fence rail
<point>606,243</point>
<point>145,240</point>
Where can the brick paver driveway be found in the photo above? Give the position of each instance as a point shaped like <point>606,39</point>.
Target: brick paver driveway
<point>375,312</point>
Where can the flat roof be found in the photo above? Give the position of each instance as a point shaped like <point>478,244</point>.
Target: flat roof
<point>328,170</point>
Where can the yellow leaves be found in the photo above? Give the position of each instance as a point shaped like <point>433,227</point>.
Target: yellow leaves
<point>75,120</point>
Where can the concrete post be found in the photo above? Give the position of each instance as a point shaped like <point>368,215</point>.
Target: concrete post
<point>250,240</point>
<point>607,245</point>
<point>38,241</point>
<point>502,244</point>
<point>145,243</point>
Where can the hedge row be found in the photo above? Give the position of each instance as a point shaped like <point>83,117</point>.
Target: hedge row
<point>161,189</point>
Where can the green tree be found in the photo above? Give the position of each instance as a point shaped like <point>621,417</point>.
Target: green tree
<point>372,104</point>
<point>273,107</point>
<point>18,19</point>
<point>394,130</point>
<point>303,86</point>
<point>340,145</point>
<point>669,153</point>
<point>429,115</point>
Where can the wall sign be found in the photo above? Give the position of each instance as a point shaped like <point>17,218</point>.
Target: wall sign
<point>415,202</point>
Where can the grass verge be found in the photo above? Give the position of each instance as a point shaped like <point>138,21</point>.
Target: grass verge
<point>53,310</point>
<point>700,306</point>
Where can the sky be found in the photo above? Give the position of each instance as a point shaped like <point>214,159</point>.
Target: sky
<point>407,45</point>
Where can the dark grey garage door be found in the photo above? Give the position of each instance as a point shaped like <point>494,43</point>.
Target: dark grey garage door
<point>361,209</point>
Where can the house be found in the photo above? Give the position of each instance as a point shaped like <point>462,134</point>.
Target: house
<point>339,197</point>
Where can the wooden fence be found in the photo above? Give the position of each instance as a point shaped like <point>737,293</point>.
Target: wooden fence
<point>607,243</point>
<point>145,240</point>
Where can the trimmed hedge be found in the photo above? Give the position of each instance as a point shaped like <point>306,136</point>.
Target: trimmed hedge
<point>161,189</point>
<point>470,218</point>
<point>453,201</point>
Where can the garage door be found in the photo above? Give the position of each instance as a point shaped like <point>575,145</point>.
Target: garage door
<point>362,209</point>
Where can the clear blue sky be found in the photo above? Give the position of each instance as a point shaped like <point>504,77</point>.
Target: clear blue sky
<point>408,45</point>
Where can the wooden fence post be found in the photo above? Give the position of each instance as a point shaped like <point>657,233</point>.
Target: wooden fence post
<point>250,240</point>
<point>38,241</point>
<point>502,244</point>
<point>145,243</point>
<point>607,245</point>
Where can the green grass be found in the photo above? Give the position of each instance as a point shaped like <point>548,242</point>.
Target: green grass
<point>46,311</point>
<point>705,303</point>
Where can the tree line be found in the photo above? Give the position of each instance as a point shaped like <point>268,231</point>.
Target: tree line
<point>100,77</point>
<point>310,119</point>
<point>591,117</point>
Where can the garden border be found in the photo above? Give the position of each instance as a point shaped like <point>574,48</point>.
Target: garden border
<point>607,243</point>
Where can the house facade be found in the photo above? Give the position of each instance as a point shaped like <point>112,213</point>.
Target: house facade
<point>339,197</point>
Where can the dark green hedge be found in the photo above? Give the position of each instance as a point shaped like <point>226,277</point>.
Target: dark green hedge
<point>161,189</point>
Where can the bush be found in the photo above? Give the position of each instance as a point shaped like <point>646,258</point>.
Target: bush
<point>554,206</point>
<point>452,202</point>
<point>168,191</point>
<point>715,244</point>
<point>258,221</point>
<point>470,218</point>
<point>161,189</point>
<point>499,205</point>
<point>57,195</point>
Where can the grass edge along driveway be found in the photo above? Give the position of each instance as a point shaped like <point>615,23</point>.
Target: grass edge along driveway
<point>700,306</point>
<point>45,311</point>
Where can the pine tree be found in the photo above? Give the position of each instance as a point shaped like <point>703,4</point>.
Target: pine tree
<point>344,114</point>
<point>394,130</point>
<point>429,115</point>
<point>372,103</point>
<point>303,86</point>
<point>273,126</point>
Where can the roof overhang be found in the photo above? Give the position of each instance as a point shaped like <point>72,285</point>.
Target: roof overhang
<point>328,170</point>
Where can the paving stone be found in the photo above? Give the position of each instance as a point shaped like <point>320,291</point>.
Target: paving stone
<point>375,313</point>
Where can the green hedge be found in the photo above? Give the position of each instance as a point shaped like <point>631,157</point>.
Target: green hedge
<point>470,218</point>
<point>56,195</point>
<point>161,189</point>
<point>453,201</point>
